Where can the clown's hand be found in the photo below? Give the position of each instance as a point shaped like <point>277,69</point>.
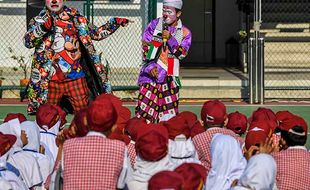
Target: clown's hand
<point>123,21</point>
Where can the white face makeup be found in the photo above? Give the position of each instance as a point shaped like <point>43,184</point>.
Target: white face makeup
<point>169,15</point>
<point>54,5</point>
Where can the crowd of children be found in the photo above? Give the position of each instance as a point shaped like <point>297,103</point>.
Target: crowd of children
<point>104,148</point>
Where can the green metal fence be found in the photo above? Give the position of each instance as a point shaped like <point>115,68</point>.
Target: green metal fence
<point>122,50</point>
<point>285,27</point>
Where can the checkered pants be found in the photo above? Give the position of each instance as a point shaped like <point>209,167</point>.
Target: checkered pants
<point>76,91</point>
<point>156,100</point>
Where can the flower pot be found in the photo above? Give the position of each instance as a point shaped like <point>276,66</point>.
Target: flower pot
<point>23,82</point>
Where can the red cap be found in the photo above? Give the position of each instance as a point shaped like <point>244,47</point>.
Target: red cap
<point>255,137</point>
<point>194,175</point>
<point>263,114</point>
<point>283,115</point>
<point>197,129</point>
<point>124,115</point>
<point>213,112</point>
<point>6,143</point>
<point>265,125</point>
<point>289,123</point>
<point>132,126</point>
<point>120,137</point>
<point>177,126</point>
<point>101,115</point>
<point>81,123</point>
<point>21,117</point>
<point>193,123</point>
<point>166,180</point>
<point>189,117</point>
<point>237,122</point>
<point>113,99</point>
<point>47,115</point>
<point>152,142</point>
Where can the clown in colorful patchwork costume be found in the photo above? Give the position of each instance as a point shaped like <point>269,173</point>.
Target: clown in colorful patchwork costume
<point>165,42</point>
<point>65,62</point>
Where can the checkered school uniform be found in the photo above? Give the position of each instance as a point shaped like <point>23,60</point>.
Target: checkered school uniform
<point>76,90</point>
<point>202,144</point>
<point>276,139</point>
<point>155,100</point>
<point>92,162</point>
<point>132,153</point>
<point>293,169</point>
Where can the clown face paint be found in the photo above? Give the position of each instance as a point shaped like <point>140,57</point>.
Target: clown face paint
<point>169,14</point>
<point>54,5</point>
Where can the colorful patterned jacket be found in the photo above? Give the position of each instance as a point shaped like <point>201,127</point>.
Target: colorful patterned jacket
<point>178,46</point>
<point>42,41</point>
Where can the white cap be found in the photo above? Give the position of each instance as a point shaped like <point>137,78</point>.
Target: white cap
<point>173,3</point>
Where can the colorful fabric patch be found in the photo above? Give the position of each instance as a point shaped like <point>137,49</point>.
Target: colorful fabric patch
<point>152,106</point>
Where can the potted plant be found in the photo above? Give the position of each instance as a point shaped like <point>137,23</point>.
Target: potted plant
<point>242,38</point>
<point>23,64</point>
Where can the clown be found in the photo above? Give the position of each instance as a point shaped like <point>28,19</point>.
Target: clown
<point>165,41</point>
<point>65,56</point>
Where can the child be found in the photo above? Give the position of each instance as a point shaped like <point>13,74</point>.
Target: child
<point>49,119</point>
<point>131,129</point>
<point>181,147</point>
<point>22,160</point>
<point>214,117</point>
<point>33,147</point>
<point>260,173</point>
<point>6,143</point>
<point>227,162</point>
<point>166,180</point>
<point>293,161</point>
<point>94,161</point>
<point>238,123</point>
<point>194,175</point>
<point>152,156</point>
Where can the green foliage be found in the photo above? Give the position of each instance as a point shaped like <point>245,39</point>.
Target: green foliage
<point>21,62</point>
<point>241,36</point>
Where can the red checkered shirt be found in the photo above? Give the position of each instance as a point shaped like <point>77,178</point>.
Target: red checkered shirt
<point>202,144</point>
<point>132,153</point>
<point>92,162</point>
<point>293,168</point>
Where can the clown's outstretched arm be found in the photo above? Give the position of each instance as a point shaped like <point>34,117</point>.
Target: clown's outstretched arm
<point>37,28</point>
<point>85,37</point>
<point>107,29</point>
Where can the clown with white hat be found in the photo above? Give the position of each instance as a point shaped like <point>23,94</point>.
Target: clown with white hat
<point>165,42</point>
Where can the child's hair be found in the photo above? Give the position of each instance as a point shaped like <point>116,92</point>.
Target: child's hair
<point>294,139</point>
<point>213,125</point>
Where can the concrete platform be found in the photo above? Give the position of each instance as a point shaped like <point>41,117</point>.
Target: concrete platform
<point>210,83</point>
<point>215,83</point>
